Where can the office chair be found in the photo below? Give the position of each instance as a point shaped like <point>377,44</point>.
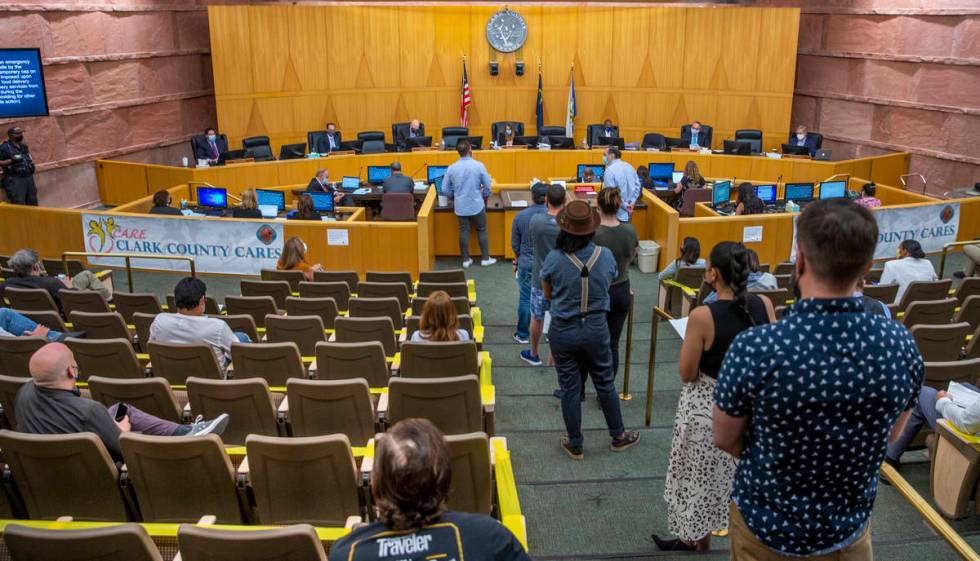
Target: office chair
<point>398,207</point>
<point>551,131</point>
<point>654,140</point>
<point>373,147</point>
<point>499,126</point>
<point>752,136</point>
<point>258,147</point>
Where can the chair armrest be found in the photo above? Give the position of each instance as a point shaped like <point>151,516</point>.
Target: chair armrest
<point>333,337</point>
<point>486,368</point>
<point>488,398</point>
<point>282,413</point>
<point>311,369</point>
<point>382,408</point>
<point>242,473</point>
<point>352,521</point>
<point>367,463</point>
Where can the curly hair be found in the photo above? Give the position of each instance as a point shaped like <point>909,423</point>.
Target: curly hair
<point>412,475</point>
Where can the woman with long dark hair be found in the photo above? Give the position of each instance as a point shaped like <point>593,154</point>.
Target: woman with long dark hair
<point>690,257</point>
<point>699,476</point>
<point>910,266</point>
<point>746,202</point>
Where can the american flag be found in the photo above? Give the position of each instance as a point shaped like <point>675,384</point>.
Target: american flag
<point>464,100</point>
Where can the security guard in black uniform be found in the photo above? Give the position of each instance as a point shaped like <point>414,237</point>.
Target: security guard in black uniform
<point>18,169</point>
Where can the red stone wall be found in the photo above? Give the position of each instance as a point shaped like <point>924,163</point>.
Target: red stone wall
<point>127,79</point>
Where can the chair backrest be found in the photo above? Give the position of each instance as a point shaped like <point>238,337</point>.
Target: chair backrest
<point>312,137</point>
<point>438,359</point>
<point>9,386</point>
<point>972,349</point>
<point>969,287</point>
<point>930,312</point>
<point>323,308</point>
<point>273,362</point>
<point>349,277</point>
<point>304,331</point>
<point>198,467</point>
<point>311,479</point>
<point>110,358</point>
<point>939,374</point>
<point>290,543</point>
<point>119,542</point>
<point>398,207</point>
<point>16,352</point>
<point>414,323</point>
<point>31,299</point>
<point>925,290</point>
<point>654,140</point>
<point>278,290</point>
<point>246,401</point>
<point>687,275</point>
<point>444,275</point>
<point>319,407</point>
<point>785,269</point>
<point>128,303</point>
<point>373,289</point>
<point>378,307</point>
<point>499,126</point>
<point>48,318</point>
<point>752,136</point>
<point>371,135</point>
<point>550,130</point>
<point>884,293</point>
<point>55,267</point>
<point>453,289</point>
<point>338,291</point>
<point>292,277</point>
<point>691,196</point>
<point>784,281</point>
<point>101,325</point>
<point>462,304</point>
<point>472,479</point>
<point>174,362</point>
<point>90,301</point>
<point>342,361</point>
<point>970,311</point>
<point>359,330</point>
<point>373,147</point>
<point>778,297</point>
<point>256,306</point>
<point>258,147</point>
<point>211,307</point>
<point>452,404</point>
<point>940,343</point>
<point>149,395</point>
<point>64,475</point>
<point>242,323</point>
<point>455,131</point>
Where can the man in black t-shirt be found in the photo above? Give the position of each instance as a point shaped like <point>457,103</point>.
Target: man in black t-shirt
<point>410,482</point>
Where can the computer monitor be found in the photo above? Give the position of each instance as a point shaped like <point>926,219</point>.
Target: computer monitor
<point>530,141</point>
<point>223,157</point>
<point>721,193</point>
<point>796,150</point>
<point>597,169</point>
<point>322,202</point>
<point>419,141</point>
<point>561,142</point>
<point>739,147</point>
<point>214,197</point>
<point>476,142</point>
<point>292,151</point>
<point>268,197</point>
<point>348,183</point>
<point>799,192</point>
<point>766,192</point>
<point>438,183</point>
<point>612,141</point>
<point>833,190</point>
<point>377,174</point>
<point>661,173</point>
<point>677,176</point>
<point>432,172</point>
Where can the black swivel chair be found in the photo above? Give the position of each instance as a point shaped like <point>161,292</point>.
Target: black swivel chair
<point>551,131</point>
<point>373,147</point>
<point>451,134</point>
<point>815,135</point>
<point>371,135</point>
<point>499,126</point>
<point>593,131</point>
<point>399,134</point>
<point>654,140</point>
<point>258,147</point>
<point>752,136</point>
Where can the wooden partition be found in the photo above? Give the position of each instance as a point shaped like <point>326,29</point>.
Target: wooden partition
<point>392,63</point>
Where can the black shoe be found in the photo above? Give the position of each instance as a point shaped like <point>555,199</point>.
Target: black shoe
<point>625,440</point>
<point>67,334</point>
<point>574,452</point>
<point>959,274</point>
<point>558,393</point>
<point>671,545</point>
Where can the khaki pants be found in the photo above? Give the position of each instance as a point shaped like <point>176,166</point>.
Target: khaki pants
<point>746,547</point>
<point>972,253</point>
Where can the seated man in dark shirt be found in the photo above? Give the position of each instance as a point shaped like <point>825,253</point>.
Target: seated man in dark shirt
<point>161,205</point>
<point>410,482</point>
<point>397,182</point>
<point>29,273</point>
<point>51,404</point>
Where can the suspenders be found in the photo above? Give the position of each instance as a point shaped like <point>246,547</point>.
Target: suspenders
<point>584,305</point>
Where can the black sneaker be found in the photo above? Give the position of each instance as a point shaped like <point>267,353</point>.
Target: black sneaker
<point>959,274</point>
<point>625,440</point>
<point>574,452</point>
<point>671,545</point>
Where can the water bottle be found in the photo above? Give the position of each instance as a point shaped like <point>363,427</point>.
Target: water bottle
<point>184,161</point>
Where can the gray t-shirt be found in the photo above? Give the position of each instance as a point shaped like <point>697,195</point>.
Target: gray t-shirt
<point>566,286</point>
<point>622,241</point>
<point>544,231</point>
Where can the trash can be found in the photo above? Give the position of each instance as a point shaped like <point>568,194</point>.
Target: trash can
<point>647,256</point>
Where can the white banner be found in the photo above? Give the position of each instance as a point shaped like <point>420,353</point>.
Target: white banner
<point>932,226</point>
<point>217,246</point>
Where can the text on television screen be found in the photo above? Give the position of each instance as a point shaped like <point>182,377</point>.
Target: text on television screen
<point>22,84</point>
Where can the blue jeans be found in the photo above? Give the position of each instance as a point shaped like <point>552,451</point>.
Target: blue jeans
<point>524,303</point>
<point>242,338</point>
<point>923,412</point>
<point>579,346</point>
<point>16,324</point>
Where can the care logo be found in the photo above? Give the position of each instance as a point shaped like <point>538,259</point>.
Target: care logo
<point>266,234</point>
<point>100,234</point>
<point>947,214</point>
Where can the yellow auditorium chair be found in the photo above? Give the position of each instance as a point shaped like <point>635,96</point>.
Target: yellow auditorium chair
<point>101,325</point>
<point>242,323</point>
<point>339,291</point>
<point>119,542</point>
<point>938,375</point>
<point>349,277</point>
<point>940,343</point>
<point>325,308</point>
<point>453,289</point>
<point>446,275</point>
<point>929,312</point>
<point>969,311</point>
<point>305,331</point>
<point>256,306</point>
<point>884,293</point>
<point>30,299</point>
<point>292,277</point>
<point>443,359</point>
<point>403,277</point>
<point>278,290</point>
<point>175,362</point>
<point>318,407</point>
<point>341,361</point>
<point>922,291</point>
<point>90,301</point>
<point>9,386</point>
<point>462,305</point>
<point>151,395</point>
<point>203,543</point>
<point>363,329</point>
<point>273,362</point>
<point>379,290</point>
<point>248,402</point>
<point>211,306</point>
<point>109,358</point>
<point>15,354</point>
<point>969,287</point>
<point>472,473</point>
<point>452,404</point>
<point>50,319</point>
<point>128,304</point>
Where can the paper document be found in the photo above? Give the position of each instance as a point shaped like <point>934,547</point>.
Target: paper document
<point>362,191</point>
<point>680,326</point>
<point>962,395</point>
<point>752,234</point>
<point>518,203</point>
<point>338,237</point>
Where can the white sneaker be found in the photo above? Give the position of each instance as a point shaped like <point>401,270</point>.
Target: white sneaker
<point>200,427</point>
<point>487,262</point>
<point>467,263</point>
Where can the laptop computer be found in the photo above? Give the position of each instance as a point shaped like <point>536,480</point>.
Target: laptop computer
<point>800,193</point>
<point>833,190</point>
<point>823,154</point>
<point>348,183</point>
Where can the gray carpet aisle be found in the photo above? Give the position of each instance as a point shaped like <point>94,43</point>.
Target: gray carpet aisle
<point>606,506</point>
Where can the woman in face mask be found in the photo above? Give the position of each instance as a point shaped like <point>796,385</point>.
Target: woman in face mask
<point>293,258</point>
<point>506,136</point>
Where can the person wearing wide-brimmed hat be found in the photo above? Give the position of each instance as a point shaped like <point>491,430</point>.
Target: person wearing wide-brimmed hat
<point>576,276</point>
<point>18,169</point>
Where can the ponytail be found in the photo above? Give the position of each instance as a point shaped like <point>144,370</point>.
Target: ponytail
<point>913,248</point>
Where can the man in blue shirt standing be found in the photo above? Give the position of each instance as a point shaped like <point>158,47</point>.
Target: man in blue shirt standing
<point>520,242</point>
<point>621,175</point>
<point>467,184</point>
<point>809,403</point>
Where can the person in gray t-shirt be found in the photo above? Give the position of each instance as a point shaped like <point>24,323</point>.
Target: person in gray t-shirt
<point>543,231</point>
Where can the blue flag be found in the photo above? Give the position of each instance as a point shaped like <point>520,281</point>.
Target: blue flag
<point>540,108</point>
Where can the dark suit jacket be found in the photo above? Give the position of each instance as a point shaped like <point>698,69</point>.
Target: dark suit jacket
<point>810,143</point>
<point>600,131</point>
<point>404,134</point>
<point>399,183</point>
<point>704,138</point>
<point>323,144</point>
<point>202,150</point>
<point>315,187</point>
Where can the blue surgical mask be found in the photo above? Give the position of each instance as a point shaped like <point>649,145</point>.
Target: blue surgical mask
<point>695,131</point>
<point>605,160</point>
<point>212,137</point>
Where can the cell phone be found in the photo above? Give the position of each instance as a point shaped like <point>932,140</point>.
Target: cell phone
<point>121,412</point>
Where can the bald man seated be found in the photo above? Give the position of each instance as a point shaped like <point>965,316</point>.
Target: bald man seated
<point>51,404</point>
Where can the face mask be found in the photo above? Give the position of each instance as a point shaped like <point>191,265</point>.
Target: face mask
<point>695,131</point>
<point>212,137</point>
<point>305,249</point>
<point>508,131</point>
<point>605,160</point>
<point>801,136</point>
<point>19,138</point>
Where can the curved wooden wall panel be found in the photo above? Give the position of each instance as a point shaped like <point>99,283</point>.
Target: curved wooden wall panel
<point>284,70</point>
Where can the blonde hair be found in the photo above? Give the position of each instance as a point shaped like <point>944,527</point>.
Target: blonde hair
<point>249,201</point>
<point>692,172</point>
<point>439,321</point>
<point>293,253</point>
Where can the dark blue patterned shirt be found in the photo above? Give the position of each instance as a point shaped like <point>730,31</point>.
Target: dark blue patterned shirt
<point>822,389</point>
